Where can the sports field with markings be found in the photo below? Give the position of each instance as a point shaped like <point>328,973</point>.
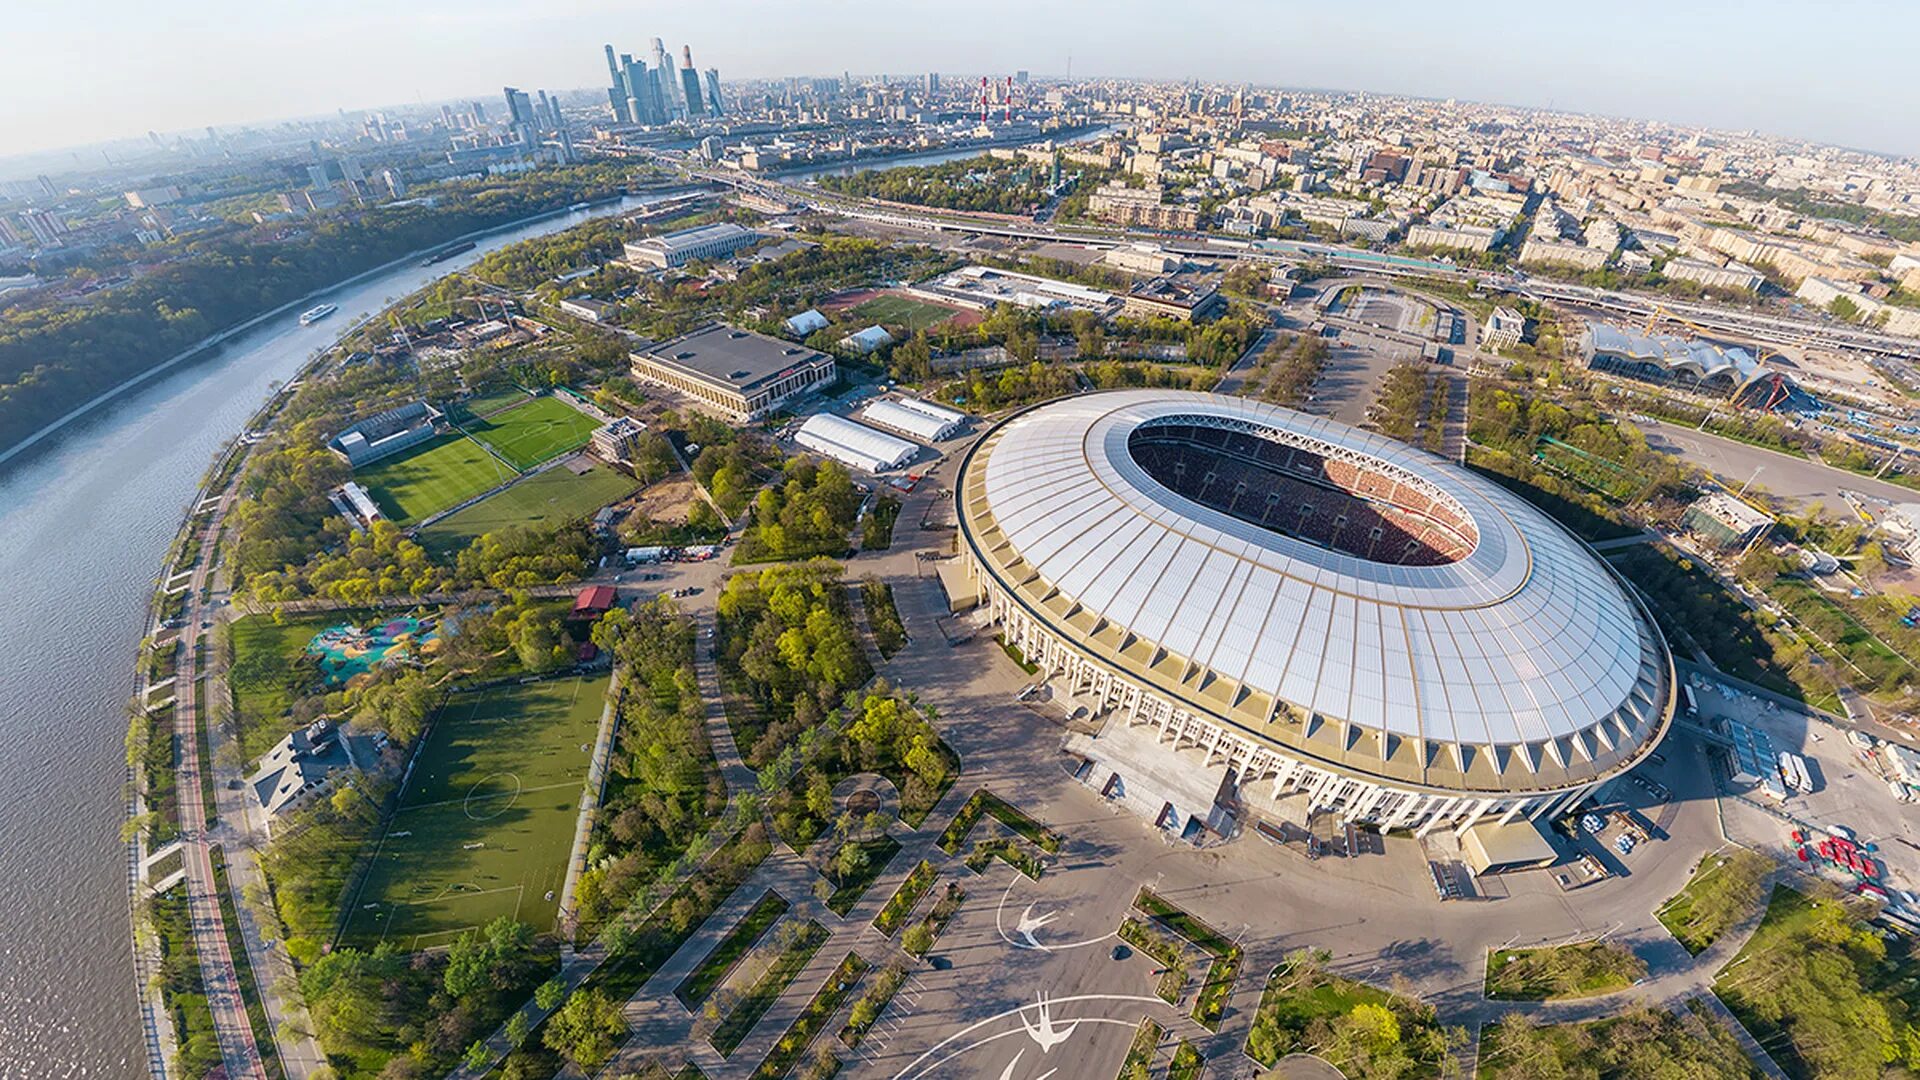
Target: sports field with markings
<point>538,431</point>
<point>444,471</point>
<point>486,820</point>
<point>542,500</point>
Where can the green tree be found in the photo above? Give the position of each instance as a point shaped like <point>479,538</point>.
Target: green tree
<point>586,1029</point>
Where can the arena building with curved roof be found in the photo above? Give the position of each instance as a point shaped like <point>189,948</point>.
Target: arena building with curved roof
<point>1335,619</point>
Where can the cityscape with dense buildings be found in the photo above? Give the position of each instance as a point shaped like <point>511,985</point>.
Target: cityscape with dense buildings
<point>711,572</point>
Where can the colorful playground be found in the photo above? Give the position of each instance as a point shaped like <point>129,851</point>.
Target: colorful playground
<point>346,650</point>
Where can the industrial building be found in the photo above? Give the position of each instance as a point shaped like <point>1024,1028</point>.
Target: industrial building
<point>737,373</point>
<point>927,422</point>
<point>385,433</point>
<point>687,245</point>
<point>1312,618</point>
<point>854,445</point>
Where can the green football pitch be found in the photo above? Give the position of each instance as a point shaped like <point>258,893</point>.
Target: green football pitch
<point>548,498</point>
<point>538,431</point>
<point>485,823</point>
<point>892,310</point>
<point>443,472</point>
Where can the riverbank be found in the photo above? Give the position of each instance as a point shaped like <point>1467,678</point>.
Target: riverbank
<point>212,341</point>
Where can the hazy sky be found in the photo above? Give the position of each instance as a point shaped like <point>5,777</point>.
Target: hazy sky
<point>1838,71</point>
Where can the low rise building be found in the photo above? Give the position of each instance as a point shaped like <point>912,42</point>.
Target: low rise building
<point>805,323</point>
<point>1505,328</point>
<point>1714,276</point>
<point>1123,205</point>
<point>1724,521</point>
<point>981,287</point>
<point>586,307</point>
<point>308,764</point>
<point>688,245</point>
<point>1429,234</point>
<point>738,374</point>
<point>1141,259</point>
<point>618,440</point>
<point>1538,251</point>
<point>1175,297</point>
<point>868,340</point>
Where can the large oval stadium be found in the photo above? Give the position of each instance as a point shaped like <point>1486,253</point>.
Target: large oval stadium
<point>1329,614</point>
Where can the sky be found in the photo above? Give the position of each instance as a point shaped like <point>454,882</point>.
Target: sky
<point>89,70</point>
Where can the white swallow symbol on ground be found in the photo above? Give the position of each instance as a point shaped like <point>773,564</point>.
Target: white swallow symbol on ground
<point>1045,1033</point>
<point>1029,922</point>
<point>1007,1073</point>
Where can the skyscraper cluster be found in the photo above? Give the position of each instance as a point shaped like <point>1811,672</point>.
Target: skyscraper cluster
<point>664,92</point>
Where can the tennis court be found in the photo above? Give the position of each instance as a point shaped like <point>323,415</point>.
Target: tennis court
<point>536,432</point>
<point>486,820</point>
<point>549,498</point>
<point>446,471</point>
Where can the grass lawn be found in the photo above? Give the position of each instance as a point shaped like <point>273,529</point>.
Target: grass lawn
<point>268,672</point>
<point>892,310</point>
<point>538,431</point>
<point>485,823</point>
<point>1283,1016</point>
<point>1698,910</point>
<point>847,892</point>
<point>701,981</point>
<point>1561,972</point>
<point>444,471</point>
<point>553,497</point>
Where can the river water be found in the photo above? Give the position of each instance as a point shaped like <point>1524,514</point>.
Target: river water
<point>84,523</point>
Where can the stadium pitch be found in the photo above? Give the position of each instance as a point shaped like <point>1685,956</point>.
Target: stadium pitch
<point>485,823</point>
<point>539,431</point>
<point>445,471</point>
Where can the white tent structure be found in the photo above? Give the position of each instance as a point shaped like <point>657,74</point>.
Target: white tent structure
<point>854,445</point>
<point>896,416</point>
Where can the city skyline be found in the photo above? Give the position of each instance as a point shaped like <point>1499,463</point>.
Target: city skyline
<point>1770,69</point>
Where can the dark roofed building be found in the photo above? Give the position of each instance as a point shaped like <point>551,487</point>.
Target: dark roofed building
<point>738,373</point>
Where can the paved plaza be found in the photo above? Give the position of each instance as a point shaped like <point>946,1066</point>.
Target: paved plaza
<point>1024,981</point>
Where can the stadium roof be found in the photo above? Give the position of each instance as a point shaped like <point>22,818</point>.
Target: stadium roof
<point>1703,359</point>
<point>1525,645</point>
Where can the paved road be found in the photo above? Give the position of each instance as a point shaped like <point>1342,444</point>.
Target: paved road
<point>217,970</point>
<point>1798,480</point>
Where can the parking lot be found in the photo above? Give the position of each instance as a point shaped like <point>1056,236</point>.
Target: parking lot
<point>1849,791</point>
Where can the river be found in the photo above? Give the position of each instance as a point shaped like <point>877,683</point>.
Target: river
<point>84,523</point>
